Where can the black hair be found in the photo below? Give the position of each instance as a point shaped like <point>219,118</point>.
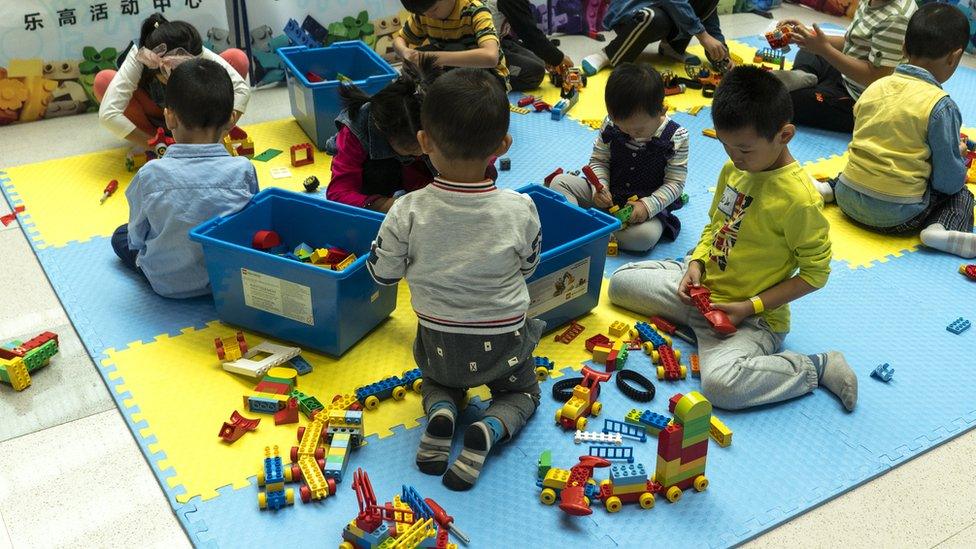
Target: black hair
<point>936,30</point>
<point>750,97</point>
<point>157,30</point>
<point>634,88</point>
<point>418,6</point>
<point>395,110</point>
<point>200,93</point>
<point>466,114</point>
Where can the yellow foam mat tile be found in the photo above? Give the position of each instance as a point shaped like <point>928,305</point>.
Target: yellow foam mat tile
<point>184,395</point>
<point>851,243</point>
<point>592,107</point>
<point>52,188</point>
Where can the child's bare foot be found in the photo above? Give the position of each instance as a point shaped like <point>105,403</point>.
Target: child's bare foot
<point>837,377</point>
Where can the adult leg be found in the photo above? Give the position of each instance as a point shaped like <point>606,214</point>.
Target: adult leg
<point>677,40</point>
<point>576,189</point>
<point>950,226</point>
<point>237,59</point>
<point>640,237</point>
<point>525,69</point>
<point>644,26</point>
<point>120,243</point>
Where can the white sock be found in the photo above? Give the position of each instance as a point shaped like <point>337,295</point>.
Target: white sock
<point>954,242</point>
<point>595,62</point>
<point>826,191</point>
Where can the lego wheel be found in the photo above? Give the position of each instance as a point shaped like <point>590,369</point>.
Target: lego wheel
<point>673,494</point>
<point>684,372</point>
<point>559,416</point>
<point>667,339</point>
<point>296,473</point>
<point>701,482</point>
<point>305,493</point>
<point>583,79</point>
<point>219,345</point>
<point>288,475</point>
<point>417,385</point>
<point>290,496</point>
<point>260,478</point>
<point>660,373</point>
<point>586,500</point>
<point>541,373</point>
<point>301,433</point>
<point>596,408</point>
<point>371,402</point>
<point>605,482</point>
<point>331,483</point>
<point>547,496</point>
<point>581,424</point>
<point>321,463</point>
<point>613,504</point>
<point>262,500</point>
<point>677,353</point>
<point>346,545</point>
<point>648,348</point>
<point>647,500</point>
<point>399,393</point>
<point>294,454</point>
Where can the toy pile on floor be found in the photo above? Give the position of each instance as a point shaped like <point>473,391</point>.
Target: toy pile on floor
<point>19,359</point>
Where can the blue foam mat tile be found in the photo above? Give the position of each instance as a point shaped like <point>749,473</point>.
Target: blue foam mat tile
<point>110,305</point>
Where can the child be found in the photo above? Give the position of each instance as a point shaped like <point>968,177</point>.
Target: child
<point>830,72</point>
<point>132,98</point>
<point>638,23</point>
<point>905,170</point>
<point>195,181</point>
<point>465,248</point>
<point>640,152</point>
<point>376,153</point>
<point>526,48</point>
<point>765,225</point>
<point>458,33</point>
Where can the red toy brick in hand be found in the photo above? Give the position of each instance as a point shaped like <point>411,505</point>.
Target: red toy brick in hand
<point>701,298</point>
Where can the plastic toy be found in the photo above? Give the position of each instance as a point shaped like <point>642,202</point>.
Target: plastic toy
<point>543,367</point>
<point>158,144</point>
<point>571,81</point>
<point>695,366</point>
<point>562,107</point>
<point>779,38</point>
<point>612,247</point>
<point>18,359</point>
<point>301,365</point>
<point>668,367</point>
<point>385,29</point>
<point>969,271</point>
<point>236,427</point>
<point>628,483</point>
<point>646,391</point>
<point>540,105</point>
<point>276,356</point>
<point>302,155</point>
<point>584,401</point>
<point>231,348</point>
<point>299,36</point>
<point>591,178</point>
<point>597,340</point>
<point>10,217</point>
<point>265,240</point>
<point>553,480</point>
<point>611,453</point>
<point>288,414</point>
<point>526,101</point>
<point>700,297</point>
<point>110,189</point>
<point>618,329</point>
<point>667,327</point>
<point>599,438</point>
<point>310,184</point>
<point>504,163</point>
<point>544,463</point>
<point>884,372</point>
<point>517,110</point>
<point>573,498</point>
<point>769,55</point>
<point>562,390</point>
<point>719,432</point>
<point>446,521</point>
<point>624,212</point>
<point>273,478</point>
<point>709,132</point>
<point>959,326</point>
<point>625,429</point>
<point>683,445</point>
<point>651,421</point>
<point>612,356</point>
<point>569,334</point>
<point>371,395</point>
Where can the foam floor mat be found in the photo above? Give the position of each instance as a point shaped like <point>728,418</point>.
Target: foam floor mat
<point>155,355</point>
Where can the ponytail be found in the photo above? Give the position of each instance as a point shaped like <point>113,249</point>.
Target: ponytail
<point>150,24</point>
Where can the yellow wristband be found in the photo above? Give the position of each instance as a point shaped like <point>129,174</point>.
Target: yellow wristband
<point>757,305</point>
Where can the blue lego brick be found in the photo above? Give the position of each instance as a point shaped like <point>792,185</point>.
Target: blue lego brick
<point>959,326</point>
<point>368,539</point>
<point>261,405</point>
<point>654,420</point>
<point>646,333</point>
<point>299,36</point>
<point>276,499</point>
<point>627,473</point>
<point>273,470</point>
<point>558,111</point>
<point>381,389</point>
<point>544,362</point>
<point>301,365</point>
<point>883,372</point>
<point>625,429</point>
<point>621,453</point>
<point>410,376</point>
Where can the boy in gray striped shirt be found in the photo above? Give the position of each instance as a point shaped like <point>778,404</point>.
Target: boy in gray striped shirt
<point>466,248</point>
<point>830,72</point>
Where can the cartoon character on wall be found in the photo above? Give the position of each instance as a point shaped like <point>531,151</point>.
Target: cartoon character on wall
<point>13,95</point>
<point>261,38</point>
<point>69,98</point>
<point>97,60</point>
<point>384,30</point>
<point>218,40</point>
<point>62,70</point>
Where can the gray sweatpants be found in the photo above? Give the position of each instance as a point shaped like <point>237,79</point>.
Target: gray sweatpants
<point>453,363</point>
<point>739,371</point>
<point>635,238</point>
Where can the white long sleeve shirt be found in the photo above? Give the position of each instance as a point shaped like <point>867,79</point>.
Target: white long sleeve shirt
<point>111,113</point>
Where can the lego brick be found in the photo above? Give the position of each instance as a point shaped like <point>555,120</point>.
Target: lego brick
<point>627,473</point>
<point>600,438</point>
<point>627,489</point>
<point>556,478</point>
<point>884,372</point>
<point>959,326</point>
<point>624,453</point>
<point>618,329</point>
<point>669,442</point>
<point>630,431</point>
<point>600,354</point>
<point>688,441</point>
<point>544,464</point>
<point>288,414</point>
<point>633,417</point>
<point>695,366</point>
<point>720,433</point>
<point>654,420</point>
<point>271,387</point>
<point>696,427</point>
<point>695,451</point>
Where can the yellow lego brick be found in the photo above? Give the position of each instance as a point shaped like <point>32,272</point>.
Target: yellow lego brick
<point>581,393</point>
<point>355,530</point>
<point>284,372</point>
<point>633,416</point>
<point>310,440</point>
<point>574,407</point>
<point>342,403</point>
<point>594,123</point>
<point>25,68</point>
<point>313,477</point>
<point>319,255</point>
<point>709,132</point>
<point>720,433</point>
<point>692,406</point>
<point>401,511</point>
<point>556,478</point>
<point>517,109</point>
<point>694,110</point>
<point>17,372</point>
<point>620,490</point>
<point>345,262</point>
<point>412,536</point>
<point>667,471</point>
<point>600,354</point>
<point>618,329</point>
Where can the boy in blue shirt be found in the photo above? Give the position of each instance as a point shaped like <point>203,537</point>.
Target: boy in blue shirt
<point>196,180</point>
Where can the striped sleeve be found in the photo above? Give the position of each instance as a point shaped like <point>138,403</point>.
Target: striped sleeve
<point>887,41</point>
<point>600,158</point>
<point>675,174</point>
<point>483,26</point>
<point>413,31</point>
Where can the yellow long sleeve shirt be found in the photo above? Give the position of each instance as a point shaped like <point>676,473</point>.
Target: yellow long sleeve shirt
<point>762,228</point>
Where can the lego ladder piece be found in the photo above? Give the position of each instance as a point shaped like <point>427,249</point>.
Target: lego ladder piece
<point>599,438</point>
<point>625,429</point>
<point>622,453</point>
<point>570,333</point>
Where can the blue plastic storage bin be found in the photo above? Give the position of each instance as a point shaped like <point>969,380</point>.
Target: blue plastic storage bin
<point>567,282</point>
<point>286,299</point>
<point>316,104</point>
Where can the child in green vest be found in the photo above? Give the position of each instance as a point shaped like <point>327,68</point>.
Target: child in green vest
<point>906,171</point>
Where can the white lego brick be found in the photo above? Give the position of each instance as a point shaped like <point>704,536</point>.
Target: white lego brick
<point>599,438</point>
<point>278,355</point>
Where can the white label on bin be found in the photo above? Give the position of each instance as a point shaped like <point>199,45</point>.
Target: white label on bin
<point>555,289</point>
<point>277,296</point>
<point>299,95</point>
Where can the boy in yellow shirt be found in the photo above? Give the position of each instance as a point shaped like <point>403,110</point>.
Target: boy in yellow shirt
<point>456,33</point>
<point>765,245</point>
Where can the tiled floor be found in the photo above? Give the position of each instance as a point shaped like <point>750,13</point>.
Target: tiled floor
<point>72,475</point>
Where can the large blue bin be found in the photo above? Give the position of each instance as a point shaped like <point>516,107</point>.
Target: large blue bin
<point>316,104</point>
<point>314,307</point>
<point>567,282</point>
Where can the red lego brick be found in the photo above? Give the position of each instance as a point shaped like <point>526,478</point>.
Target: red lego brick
<point>264,240</point>
<point>302,154</point>
<point>288,414</point>
<point>695,451</point>
<point>526,101</point>
<point>674,402</point>
<point>669,442</point>
<point>273,387</point>
<point>598,339</point>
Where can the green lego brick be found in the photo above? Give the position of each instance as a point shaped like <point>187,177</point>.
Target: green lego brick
<point>267,155</point>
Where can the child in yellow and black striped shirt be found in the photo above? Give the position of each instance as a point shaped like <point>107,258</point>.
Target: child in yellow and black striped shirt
<point>457,33</point>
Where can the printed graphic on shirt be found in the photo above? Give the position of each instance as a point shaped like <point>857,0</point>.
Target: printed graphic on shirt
<point>734,205</point>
